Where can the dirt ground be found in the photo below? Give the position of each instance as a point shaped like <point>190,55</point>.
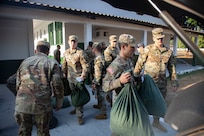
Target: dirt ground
<point>186,80</point>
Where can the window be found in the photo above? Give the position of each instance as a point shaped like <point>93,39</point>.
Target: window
<point>58,29</point>
<point>57,37</point>
<point>51,33</point>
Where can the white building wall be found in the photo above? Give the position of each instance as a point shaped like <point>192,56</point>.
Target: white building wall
<point>15,39</point>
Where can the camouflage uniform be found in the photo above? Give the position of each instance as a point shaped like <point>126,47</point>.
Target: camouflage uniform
<point>34,90</point>
<point>110,54</point>
<point>156,62</point>
<point>99,73</point>
<point>73,66</point>
<point>90,59</point>
<point>111,80</point>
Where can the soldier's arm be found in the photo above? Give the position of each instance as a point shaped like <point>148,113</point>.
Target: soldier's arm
<point>111,81</point>
<point>58,87</point>
<point>84,65</point>
<point>140,62</point>
<point>64,67</point>
<point>172,71</point>
<point>107,55</point>
<point>98,67</point>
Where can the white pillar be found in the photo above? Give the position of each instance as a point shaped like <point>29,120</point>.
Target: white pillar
<point>175,45</point>
<point>145,38</point>
<point>87,34</point>
<point>31,45</point>
<point>196,40</point>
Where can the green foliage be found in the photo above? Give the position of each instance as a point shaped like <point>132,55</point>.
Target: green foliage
<point>192,24</point>
<point>201,41</point>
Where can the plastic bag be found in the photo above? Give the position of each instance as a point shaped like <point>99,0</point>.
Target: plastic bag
<point>128,115</point>
<point>152,97</point>
<point>80,96</point>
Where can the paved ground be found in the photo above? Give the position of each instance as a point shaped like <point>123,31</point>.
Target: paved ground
<point>68,125</point>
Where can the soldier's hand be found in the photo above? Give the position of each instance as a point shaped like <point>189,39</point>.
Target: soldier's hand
<point>125,78</point>
<point>93,86</point>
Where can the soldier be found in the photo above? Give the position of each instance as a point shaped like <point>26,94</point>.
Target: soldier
<point>110,54</point>
<point>157,58</point>
<point>57,54</point>
<point>111,51</point>
<point>75,66</point>
<point>90,59</point>
<point>115,76</point>
<point>34,90</point>
<point>99,73</point>
<point>120,71</point>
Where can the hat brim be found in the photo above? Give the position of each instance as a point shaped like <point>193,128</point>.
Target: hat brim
<point>133,45</point>
<point>160,36</point>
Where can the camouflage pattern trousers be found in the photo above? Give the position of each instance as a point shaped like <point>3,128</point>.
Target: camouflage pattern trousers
<point>26,122</point>
<point>101,96</point>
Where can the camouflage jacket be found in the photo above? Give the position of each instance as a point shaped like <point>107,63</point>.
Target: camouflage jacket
<point>110,54</point>
<point>38,77</point>
<point>89,54</point>
<point>75,64</point>
<point>156,62</point>
<point>111,80</point>
<point>99,69</point>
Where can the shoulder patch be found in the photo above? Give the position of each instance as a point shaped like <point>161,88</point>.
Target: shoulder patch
<point>110,70</point>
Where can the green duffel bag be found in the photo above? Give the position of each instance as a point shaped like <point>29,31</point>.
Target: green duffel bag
<point>152,97</point>
<point>128,115</point>
<point>11,84</point>
<point>80,96</point>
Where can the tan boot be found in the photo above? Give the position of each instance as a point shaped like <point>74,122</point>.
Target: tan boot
<point>73,111</point>
<point>80,120</point>
<point>101,116</point>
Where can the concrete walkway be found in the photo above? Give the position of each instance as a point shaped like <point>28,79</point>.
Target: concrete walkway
<point>67,124</point>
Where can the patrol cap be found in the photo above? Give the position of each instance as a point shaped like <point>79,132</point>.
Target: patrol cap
<point>96,45</point>
<point>43,43</point>
<point>127,39</point>
<point>113,38</point>
<point>158,33</point>
<point>73,37</point>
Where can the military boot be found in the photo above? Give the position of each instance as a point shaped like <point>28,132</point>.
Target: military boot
<point>101,116</point>
<point>96,106</point>
<point>73,111</point>
<point>80,120</point>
